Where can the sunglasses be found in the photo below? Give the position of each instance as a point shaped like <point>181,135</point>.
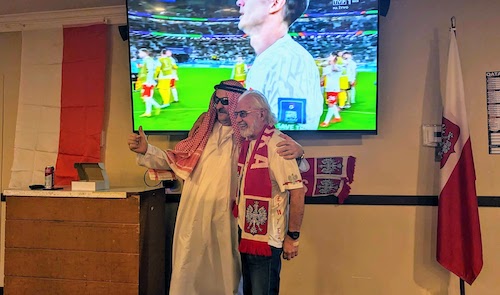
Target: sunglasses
<point>244,114</point>
<point>223,100</point>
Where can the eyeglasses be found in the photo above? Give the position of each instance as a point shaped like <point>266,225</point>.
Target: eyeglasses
<point>243,114</point>
<point>223,100</point>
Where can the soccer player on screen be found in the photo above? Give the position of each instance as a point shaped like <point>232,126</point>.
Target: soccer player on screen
<point>319,64</point>
<point>332,73</point>
<point>283,70</point>
<point>147,77</point>
<point>165,69</point>
<point>344,81</point>
<point>239,71</point>
<point>174,77</point>
<point>351,71</point>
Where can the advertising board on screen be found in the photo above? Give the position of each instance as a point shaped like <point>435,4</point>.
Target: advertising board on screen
<point>321,76</point>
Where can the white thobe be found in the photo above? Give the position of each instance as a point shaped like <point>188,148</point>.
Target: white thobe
<point>205,254</point>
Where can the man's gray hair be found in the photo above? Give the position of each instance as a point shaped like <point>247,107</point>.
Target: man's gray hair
<point>260,102</point>
<point>293,9</point>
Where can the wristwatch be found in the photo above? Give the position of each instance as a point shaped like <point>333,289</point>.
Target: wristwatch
<point>299,159</point>
<point>293,234</point>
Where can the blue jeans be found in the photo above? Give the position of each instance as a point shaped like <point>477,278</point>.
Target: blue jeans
<point>261,274</point>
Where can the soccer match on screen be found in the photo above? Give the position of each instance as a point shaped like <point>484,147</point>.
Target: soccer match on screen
<point>180,49</point>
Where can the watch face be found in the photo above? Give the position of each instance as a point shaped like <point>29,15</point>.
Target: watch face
<point>294,234</point>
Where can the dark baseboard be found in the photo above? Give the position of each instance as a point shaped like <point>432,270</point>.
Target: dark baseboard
<point>393,200</point>
<point>376,200</point>
<point>373,200</point>
<point>379,200</point>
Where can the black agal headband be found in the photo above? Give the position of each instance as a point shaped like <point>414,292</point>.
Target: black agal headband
<point>232,88</point>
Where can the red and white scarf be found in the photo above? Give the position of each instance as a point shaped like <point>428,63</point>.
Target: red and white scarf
<point>256,195</point>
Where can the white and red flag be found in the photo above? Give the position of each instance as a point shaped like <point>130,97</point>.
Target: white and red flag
<point>459,247</point>
<point>61,102</point>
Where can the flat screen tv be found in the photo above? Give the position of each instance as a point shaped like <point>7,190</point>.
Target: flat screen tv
<point>192,45</point>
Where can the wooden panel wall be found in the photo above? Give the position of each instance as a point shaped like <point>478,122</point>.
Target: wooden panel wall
<point>72,246</point>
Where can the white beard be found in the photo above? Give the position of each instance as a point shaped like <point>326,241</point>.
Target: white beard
<point>248,131</point>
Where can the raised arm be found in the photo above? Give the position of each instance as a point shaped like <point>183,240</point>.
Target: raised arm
<point>138,143</point>
<point>147,155</point>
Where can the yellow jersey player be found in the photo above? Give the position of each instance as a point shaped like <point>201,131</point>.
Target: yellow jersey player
<point>174,78</point>
<point>239,71</point>
<point>344,81</point>
<point>165,71</point>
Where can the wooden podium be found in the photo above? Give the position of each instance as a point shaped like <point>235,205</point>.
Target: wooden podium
<point>65,242</point>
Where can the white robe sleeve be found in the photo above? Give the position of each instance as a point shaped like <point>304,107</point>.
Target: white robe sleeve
<point>155,158</point>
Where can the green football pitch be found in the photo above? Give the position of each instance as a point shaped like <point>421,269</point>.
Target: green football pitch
<point>196,85</point>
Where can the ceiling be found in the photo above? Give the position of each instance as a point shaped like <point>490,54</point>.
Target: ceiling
<point>26,6</point>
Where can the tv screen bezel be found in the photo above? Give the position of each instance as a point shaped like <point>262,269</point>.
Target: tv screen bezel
<point>299,133</point>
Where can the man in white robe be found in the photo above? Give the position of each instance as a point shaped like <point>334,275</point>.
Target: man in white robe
<point>205,254</point>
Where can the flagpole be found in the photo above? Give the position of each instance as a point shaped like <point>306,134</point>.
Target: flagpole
<point>454,28</point>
